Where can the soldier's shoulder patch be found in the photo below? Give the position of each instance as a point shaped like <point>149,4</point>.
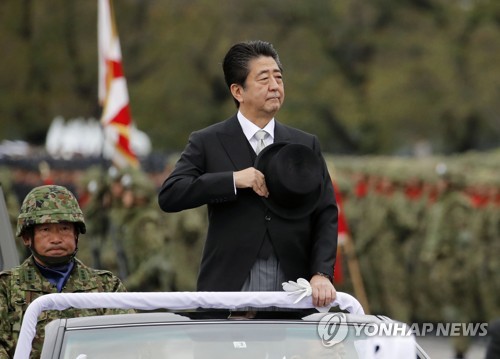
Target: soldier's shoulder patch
<point>87,271</point>
<point>103,273</point>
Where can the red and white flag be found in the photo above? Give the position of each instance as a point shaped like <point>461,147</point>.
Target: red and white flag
<point>116,117</point>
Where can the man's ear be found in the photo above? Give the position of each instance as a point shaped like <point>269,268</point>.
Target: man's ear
<point>26,239</point>
<point>236,92</point>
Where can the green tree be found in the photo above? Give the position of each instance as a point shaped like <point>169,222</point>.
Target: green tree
<point>367,77</point>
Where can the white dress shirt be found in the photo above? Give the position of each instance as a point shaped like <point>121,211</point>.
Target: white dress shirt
<point>249,129</point>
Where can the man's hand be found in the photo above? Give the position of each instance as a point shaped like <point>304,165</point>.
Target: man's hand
<point>323,291</point>
<point>251,178</point>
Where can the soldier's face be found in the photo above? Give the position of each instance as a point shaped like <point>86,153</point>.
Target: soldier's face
<point>54,239</point>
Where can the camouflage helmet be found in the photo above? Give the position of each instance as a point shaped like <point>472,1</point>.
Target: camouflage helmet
<point>49,204</point>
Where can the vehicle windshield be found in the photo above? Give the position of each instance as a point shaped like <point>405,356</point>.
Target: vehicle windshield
<point>208,340</point>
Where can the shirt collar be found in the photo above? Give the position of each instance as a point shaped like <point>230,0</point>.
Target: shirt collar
<point>249,128</point>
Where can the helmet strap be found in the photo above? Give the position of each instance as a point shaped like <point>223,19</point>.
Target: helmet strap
<point>53,261</point>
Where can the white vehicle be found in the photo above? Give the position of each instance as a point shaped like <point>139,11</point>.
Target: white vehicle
<point>206,325</point>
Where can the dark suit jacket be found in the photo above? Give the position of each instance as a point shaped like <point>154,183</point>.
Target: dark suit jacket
<point>238,222</point>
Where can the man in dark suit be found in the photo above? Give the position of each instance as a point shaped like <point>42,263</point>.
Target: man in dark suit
<point>252,244</point>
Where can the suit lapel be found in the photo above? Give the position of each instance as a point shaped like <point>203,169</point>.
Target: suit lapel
<point>281,133</point>
<point>235,144</point>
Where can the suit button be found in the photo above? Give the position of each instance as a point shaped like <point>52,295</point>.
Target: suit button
<point>267,218</point>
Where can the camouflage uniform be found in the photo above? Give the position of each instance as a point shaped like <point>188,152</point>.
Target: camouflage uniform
<point>94,200</point>
<point>188,230</point>
<point>445,254</point>
<point>488,260</point>
<point>23,284</point>
<point>184,233</point>
<point>144,238</point>
<point>107,216</point>
<point>370,242</point>
<point>416,208</point>
<point>392,245</point>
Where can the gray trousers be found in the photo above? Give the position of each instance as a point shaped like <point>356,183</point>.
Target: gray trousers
<point>265,276</point>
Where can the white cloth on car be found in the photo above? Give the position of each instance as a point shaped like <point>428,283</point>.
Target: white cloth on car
<point>163,300</point>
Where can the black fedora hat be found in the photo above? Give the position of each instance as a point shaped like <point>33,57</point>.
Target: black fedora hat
<point>294,179</point>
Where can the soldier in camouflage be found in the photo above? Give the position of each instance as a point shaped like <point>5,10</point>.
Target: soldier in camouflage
<point>143,237</point>
<point>50,222</point>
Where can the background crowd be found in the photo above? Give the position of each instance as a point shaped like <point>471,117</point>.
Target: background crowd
<point>129,234</point>
<point>425,231</point>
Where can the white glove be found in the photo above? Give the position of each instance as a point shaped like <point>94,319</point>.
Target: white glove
<point>301,288</point>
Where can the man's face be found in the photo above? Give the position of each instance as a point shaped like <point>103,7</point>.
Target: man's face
<point>264,92</point>
<point>54,239</point>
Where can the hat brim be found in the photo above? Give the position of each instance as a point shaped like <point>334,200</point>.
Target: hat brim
<point>297,212</point>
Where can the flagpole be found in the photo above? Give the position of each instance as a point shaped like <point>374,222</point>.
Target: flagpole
<point>346,244</point>
<point>355,273</point>
<point>113,97</point>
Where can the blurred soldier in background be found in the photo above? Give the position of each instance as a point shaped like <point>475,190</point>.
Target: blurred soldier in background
<point>189,228</point>
<point>113,253</point>
<point>185,232</point>
<point>134,240</point>
<point>486,256</point>
<point>372,223</point>
<point>25,176</point>
<point>144,239</point>
<point>415,207</point>
<point>92,191</point>
<point>390,247</point>
<point>447,257</point>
